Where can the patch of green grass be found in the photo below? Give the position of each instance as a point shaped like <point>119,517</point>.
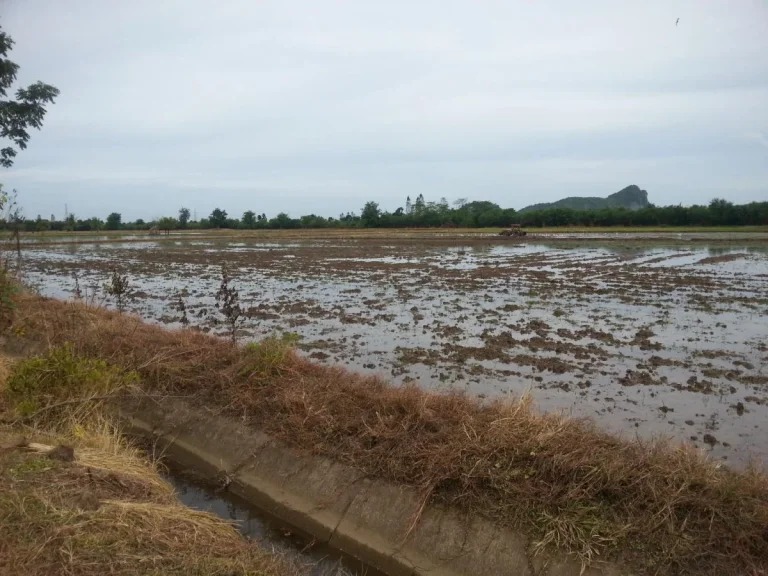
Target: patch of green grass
<point>59,376</point>
<point>8,289</point>
<point>23,468</point>
<point>576,525</point>
<point>266,358</point>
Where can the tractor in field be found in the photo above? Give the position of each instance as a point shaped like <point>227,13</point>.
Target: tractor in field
<point>514,230</point>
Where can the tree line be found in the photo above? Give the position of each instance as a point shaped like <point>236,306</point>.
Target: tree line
<point>422,214</point>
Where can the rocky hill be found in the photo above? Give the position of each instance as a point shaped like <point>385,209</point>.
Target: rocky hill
<point>631,197</point>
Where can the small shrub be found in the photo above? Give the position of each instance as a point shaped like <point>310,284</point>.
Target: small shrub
<point>118,287</point>
<point>181,307</point>
<point>228,303</point>
<point>41,383</point>
<point>266,358</point>
<point>78,294</point>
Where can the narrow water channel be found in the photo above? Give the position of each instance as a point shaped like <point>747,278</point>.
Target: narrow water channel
<point>319,560</point>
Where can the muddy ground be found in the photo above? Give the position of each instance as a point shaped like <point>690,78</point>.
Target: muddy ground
<point>653,335</point>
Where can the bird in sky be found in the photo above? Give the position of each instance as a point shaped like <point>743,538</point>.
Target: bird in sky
<point>678,22</point>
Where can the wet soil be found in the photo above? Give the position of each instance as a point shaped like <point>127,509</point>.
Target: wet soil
<point>650,336</point>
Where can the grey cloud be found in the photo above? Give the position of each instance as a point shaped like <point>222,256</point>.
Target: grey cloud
<point>318,106</point>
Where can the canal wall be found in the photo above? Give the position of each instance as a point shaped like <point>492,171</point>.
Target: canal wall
<point>388,527</point>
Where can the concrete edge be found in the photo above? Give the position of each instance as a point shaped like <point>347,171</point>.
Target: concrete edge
<point>368,519</point>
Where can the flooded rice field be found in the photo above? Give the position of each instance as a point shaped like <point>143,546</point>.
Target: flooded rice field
<point>649,336</point>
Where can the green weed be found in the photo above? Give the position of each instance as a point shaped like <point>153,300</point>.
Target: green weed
<point>8,289</point>
<point>31,466</point>
<point>267,358</point>
<point>43,382</point>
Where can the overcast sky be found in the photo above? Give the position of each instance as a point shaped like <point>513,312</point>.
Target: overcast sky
<point>316,106</point>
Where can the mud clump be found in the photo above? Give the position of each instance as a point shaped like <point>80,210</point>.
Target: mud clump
<point>642,340</point>
<point>417,356</point>
<point>657,361</point>
<point>538,326</point>
<point>641,378</point>
<point>724,258</point>
<point>696,385</point>
<point>62,453</point>
<point>709,439</point>
<point>554,365</point>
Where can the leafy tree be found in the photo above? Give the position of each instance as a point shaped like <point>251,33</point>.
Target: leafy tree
<point>88,224</point>
<point>218,218</point>
<point>23,112</point>
<point>481,206</point>
<point>167,223</point>
<point>722,212</point>
<point>183,217</point>
<point>348,220</point>
<point>419,205</point>
<point>249,220</point>
<point>113,221</point>
<point>283,221</point>
<point>371,214</point>
<point>313,221</point>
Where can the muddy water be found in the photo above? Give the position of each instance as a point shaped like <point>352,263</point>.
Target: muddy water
<point>649,336</point>
<point>317,560</point>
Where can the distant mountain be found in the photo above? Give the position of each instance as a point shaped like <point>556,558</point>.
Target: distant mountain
<point>631,197</point>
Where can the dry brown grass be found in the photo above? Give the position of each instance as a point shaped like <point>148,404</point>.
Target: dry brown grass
<point>5,368</point>
<point>663,508</point>
<point>108,512</point>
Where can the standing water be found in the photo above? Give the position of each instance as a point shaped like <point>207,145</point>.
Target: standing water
<point>316,558</point>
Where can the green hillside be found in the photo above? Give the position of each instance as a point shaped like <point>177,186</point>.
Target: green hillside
<point>631,197</point>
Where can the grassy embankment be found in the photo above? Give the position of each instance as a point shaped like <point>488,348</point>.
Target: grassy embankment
<point>662,508</point>
<point>76,498</point>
